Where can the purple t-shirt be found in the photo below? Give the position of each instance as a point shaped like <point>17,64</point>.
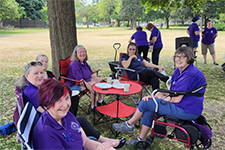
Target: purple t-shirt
<point>78,71</point>
<point>189,79</point>
<point>156,33</point>
<point>140,38</point>
<point>31,94</point>
<point>135,64</point>
<point>209,35</point>
<point>192,28</point>
<point>49,134</point>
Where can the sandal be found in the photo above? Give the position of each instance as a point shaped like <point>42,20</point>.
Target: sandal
<point>121,144</point>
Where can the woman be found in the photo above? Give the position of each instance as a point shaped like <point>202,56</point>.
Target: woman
<point>185,78</point>
<point>31,82</point>
<point>193,31</point>
<point>134,61</point>
<point>209,35</point>
<point>44,60</point>
<point>57,128</point>
<point>79,69</point>
<point>156,41</point>
<point>141,41</point>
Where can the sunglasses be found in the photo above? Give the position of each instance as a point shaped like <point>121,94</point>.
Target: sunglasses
<point>33,63</point>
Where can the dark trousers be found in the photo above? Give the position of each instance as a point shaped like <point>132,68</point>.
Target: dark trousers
<point>155,55</point>
<point>74,105</point>
<point>143,49</point>
<point>152,77</point>
<point>88,129</point>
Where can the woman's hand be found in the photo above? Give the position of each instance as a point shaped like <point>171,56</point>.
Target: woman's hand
<point>145,98</point>
<point>133,56</point>
<point>106,146</point>
<point>161,68</point>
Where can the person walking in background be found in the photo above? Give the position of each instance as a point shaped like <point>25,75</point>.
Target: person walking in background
<point>141,41</point>
<point>209,34</point>
<point>193,31</point>
<point>156,41</point>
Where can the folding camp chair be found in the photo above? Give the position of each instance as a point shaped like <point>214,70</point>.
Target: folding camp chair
<point>20,105</point>
<point>26,124</point>
<point>63,67</point>
<point>125,77</point>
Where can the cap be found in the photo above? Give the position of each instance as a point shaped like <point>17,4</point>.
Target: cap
<point>196,18</point>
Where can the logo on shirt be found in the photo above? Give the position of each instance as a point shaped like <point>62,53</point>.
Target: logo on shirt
<point>174,82</point>
<point>139,59</point>
<point>75,126</point>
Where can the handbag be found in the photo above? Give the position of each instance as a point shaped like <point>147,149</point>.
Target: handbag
<point>152,46</point>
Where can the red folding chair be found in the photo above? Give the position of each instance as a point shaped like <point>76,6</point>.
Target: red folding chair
<point>123,73</point>
<point>63,67</point>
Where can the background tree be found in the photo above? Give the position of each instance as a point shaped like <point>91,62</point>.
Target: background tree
<point>181,15</point>
<point>131,10</point>
<point>32,8</point>
<point>63,36</point>
<point>9,9</point>
<point>85,12</point>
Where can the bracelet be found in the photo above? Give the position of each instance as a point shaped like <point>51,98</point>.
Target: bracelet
<point>97,145</point>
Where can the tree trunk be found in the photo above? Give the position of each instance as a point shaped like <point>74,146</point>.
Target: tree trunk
<point>118,23</point>
<point>62,28</point>
<point>87,22</point>
<point>167,22</point>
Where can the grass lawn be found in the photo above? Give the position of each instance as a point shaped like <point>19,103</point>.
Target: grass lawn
<point>18,47</point>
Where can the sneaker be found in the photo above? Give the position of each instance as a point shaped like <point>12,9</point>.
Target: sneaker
<point>123,127</point>
<point>205,62</point>
<point>134,141</point>
<point>215,63</point>
<point>102,103</point>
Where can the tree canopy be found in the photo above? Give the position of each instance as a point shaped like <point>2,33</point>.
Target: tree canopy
<point>9,9</point>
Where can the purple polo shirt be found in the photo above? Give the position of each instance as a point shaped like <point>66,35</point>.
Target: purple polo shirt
<point>49,134</point>
<point>135,64</point>
<point>189,79</point>
<point>31,94</point>
<point>140,38</point>
<point>192,28</point>
<point>78,71</point>
<point>156,33</point>
<point>209,35</point>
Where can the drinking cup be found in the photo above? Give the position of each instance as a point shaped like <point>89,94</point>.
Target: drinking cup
<point>109,80</point>
<point>126,87</point>
<point>116,81</point>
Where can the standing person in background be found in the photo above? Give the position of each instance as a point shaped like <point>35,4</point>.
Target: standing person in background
<point>208,38</point>
<point>193,31</point>
<point>156,41</point>
<point>141,41</point>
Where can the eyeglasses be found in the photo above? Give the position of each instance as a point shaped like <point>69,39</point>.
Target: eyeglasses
<point>33,63</point>
<point>180,57</point>
<point>132,49</point>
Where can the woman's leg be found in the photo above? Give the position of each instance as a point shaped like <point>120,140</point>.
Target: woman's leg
<point>145,52</point>
<point>88,129</point>
<point>155,56</point>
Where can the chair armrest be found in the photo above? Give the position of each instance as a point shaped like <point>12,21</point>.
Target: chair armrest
<point>96,71</point>
<point>77,81</point>
<point>128,69</point>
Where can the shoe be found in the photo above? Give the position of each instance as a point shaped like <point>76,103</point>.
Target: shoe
<point>205,62</point>
<point>215,63</point>
<point>121,144</point>
<point>134,141</point>
<point>95,111</point>
<point>102,103</point>
<point>120,127</point>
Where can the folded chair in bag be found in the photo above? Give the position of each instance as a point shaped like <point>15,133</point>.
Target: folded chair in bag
<point>63,68</point>
<point>26,123</point>
<point>20,105</point>
<point>125,77</point>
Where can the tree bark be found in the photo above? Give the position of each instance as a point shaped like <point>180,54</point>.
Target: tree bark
<point>62,28</point>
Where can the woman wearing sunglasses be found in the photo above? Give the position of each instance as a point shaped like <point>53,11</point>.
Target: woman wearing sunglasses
<point>134,61</point>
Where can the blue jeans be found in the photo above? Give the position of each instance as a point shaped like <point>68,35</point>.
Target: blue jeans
<point>75,87</point>
<point>195,44</point>
<point>148,108</point>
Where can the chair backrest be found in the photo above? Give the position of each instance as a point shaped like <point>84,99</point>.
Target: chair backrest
<point>124,74</point>
<point>64,66</point>
<point>188,41</point>
<point>20,105</point>
<point>26,123</point>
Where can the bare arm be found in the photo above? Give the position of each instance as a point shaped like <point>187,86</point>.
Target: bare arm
<point>216,35</point>
<point>153,40</point>
<point>129,40</point>
<point>126,63</point>
<point>147,64</point>
<point>163,96</point>
<point>197,32</point>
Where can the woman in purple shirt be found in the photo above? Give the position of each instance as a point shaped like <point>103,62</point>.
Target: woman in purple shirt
<point>187,107</point>
<point>193,31</point>
<point>141,41</point>
<point>156,41</point>
<point>79,69</point>
<point>57,128</point>
<point>209,35</point>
